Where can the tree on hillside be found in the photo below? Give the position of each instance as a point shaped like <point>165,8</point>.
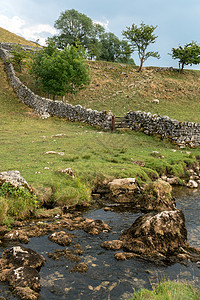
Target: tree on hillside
<point>18,56</point>
<point>112,49</point>
<point>94,44</point>
<point>60,72</point>
<point>140,38</point>
<point>77,26</point>
<point>187,55</point>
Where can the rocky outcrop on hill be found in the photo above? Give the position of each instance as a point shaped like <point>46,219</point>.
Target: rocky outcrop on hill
<point>15,179</point>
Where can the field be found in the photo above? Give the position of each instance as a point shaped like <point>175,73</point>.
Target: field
<point>93,154</point>
<point>39,148</point>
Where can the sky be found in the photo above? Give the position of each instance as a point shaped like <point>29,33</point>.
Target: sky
<point>177,21</point>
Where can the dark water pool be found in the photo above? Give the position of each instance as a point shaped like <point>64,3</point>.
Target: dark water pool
<point>106,277</point>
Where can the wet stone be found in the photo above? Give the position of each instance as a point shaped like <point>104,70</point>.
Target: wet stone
<point>61,238</point>
<point>20,266</point>
<point>81,268</point>
<point>112,245</point>
<point>95,227</point>
<point>156,234</point>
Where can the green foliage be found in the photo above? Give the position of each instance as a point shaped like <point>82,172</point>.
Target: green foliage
<point>69,191</point>
<point>168,290</point>
<point>60,72</point>
<point>140,38</point>
<point>187,55</point>
<point>17,201</point>
<point>18,55</point>
<point>98,44</point>
<point>112,49</point>
<point>73,25</point>
<point>3,209</point>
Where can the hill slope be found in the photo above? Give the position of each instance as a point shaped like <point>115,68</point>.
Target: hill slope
<point>9,37</point>
<point>120,88</point>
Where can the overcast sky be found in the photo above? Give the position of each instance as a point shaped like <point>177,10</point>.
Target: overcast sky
<point>178,21</point>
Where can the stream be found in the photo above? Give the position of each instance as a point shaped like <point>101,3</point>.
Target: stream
<point>106,277</point>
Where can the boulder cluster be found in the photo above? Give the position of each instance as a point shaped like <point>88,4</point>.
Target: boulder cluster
<point>160,234</point>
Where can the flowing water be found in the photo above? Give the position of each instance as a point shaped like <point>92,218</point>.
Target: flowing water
<point>106,277</point>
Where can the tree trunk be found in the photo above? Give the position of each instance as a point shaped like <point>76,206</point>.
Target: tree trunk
<point>141,64</point>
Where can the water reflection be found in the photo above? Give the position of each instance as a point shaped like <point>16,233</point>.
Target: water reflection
<point>108,278</point>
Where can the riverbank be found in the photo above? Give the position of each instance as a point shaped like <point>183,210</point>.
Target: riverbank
<point>61,277</point>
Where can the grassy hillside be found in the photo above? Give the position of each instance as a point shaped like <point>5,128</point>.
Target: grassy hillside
<point>9,37</point>
<point>120,88</point>
<point>92,153</point>
<point>25,139</point>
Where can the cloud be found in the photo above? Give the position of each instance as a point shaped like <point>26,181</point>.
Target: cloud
<point>35,32</point>
<point>104,24</point>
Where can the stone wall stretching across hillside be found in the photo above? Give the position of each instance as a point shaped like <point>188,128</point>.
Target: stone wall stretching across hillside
<point>46,107</point>
<point>180,133</point>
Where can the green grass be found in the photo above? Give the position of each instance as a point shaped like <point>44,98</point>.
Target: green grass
<point>168,290</point>
<point>91,153</point>
<point>120,88</point>
<point>9,37</point>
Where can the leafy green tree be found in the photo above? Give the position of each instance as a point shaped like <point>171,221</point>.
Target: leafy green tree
<point>94,44</point>
<point>140,38</point>
<point>60,72</point>
<point>112,49</point>
<point>187,55</point>
<point>18,55</point>
<point>73,25</point>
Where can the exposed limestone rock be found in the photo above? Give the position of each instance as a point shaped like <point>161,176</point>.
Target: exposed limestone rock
<point>157,196</point>
<point>119,190</point>
<point>192,184</point>
<point>96,226</point>
<point>20,267</point>
<point>81,268</point>
<point>123,190</point>
<point>61,238</point>
<point>125,255</point>
<point>156,234</point>
<point>112,245</point>
<point>68,171</point>
<point>15,179</point>
<point>154,196</point>
<point>17,235</point>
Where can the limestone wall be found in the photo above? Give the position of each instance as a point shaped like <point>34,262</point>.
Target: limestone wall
<point>180,133</point>
<point>46,107</point>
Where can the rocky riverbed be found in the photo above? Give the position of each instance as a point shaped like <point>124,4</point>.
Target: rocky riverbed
<point>156,233</point>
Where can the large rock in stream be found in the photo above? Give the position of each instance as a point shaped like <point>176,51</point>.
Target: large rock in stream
<point>20,266</point>
<point>156,234</point>
<point>154,196</point>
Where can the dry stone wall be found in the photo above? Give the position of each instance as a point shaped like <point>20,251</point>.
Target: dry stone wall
<point>46,107</point>
<point>180,133</point>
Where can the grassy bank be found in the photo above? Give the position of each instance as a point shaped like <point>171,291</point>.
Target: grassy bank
<point>39,149</point>
<point>92,154</point>
<point>169,290</point>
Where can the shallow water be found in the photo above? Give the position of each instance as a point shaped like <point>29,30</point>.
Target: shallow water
<point>106,277</point>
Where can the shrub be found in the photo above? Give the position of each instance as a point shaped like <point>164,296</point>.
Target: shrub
<point>20,202</point>
<point>169,290</point>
